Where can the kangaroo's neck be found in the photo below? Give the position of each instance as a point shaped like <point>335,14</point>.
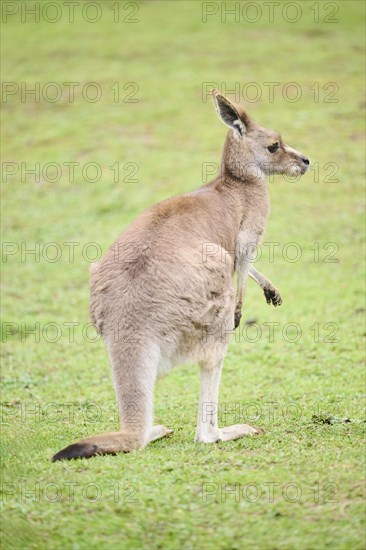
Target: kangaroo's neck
<point>244,187</point>
<point>248,200</point>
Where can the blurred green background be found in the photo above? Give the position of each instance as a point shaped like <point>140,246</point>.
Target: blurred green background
<point>151,63</point>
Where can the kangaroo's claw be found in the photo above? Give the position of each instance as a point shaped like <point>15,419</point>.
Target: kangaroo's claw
<point>237,318</point>
<point>272,296</point>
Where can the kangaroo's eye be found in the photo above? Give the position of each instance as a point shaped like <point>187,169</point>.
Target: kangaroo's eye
<point>273,148</point>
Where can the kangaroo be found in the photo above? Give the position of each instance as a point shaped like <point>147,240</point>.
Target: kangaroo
<point>172,300</point>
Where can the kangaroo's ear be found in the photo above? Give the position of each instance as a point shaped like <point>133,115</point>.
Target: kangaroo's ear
<point>229,113</point>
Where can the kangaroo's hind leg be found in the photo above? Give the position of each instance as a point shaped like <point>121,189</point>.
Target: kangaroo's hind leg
<point>158,432</point>
<point>134,384</point>
<point>134,373</point>
<point>207,424</point>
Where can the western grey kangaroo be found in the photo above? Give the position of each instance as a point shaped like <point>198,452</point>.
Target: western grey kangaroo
<point>163,293</point>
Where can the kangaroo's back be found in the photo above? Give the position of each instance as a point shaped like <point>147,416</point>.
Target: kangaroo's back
<point>158,278</point>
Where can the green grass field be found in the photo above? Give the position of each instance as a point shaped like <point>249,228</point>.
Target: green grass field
<point>298,372</point>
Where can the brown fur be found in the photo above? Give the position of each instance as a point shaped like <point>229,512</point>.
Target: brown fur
<point>158,301</point>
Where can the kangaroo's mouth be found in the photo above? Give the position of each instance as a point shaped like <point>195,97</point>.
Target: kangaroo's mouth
<point>296,169</point>
<point>304,169</point>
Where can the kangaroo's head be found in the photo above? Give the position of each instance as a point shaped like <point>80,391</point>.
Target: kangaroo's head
<point>252,151</point>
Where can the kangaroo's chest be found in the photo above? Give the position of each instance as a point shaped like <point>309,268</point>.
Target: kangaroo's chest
<point>252,229</point>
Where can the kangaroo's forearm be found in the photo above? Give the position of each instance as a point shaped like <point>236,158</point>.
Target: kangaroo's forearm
<point>243,272</point>
<point>245,248</point>
<point>271,294</point>
<point>259,278</point>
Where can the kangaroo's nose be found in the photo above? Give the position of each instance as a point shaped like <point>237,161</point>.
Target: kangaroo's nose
<point>306,160</point>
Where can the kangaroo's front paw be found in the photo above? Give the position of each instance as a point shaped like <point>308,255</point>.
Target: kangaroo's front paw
<point>237,317</point>
<point>272,296</point>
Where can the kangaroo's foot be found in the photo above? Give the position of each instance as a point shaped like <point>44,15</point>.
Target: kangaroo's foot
<point>102,444</point>
<point>208,436</point>
<point>158,432</point>
<point>238,430</point>
<point>226,434</point>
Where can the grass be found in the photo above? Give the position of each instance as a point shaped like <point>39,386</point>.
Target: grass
<point>301,484</point>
